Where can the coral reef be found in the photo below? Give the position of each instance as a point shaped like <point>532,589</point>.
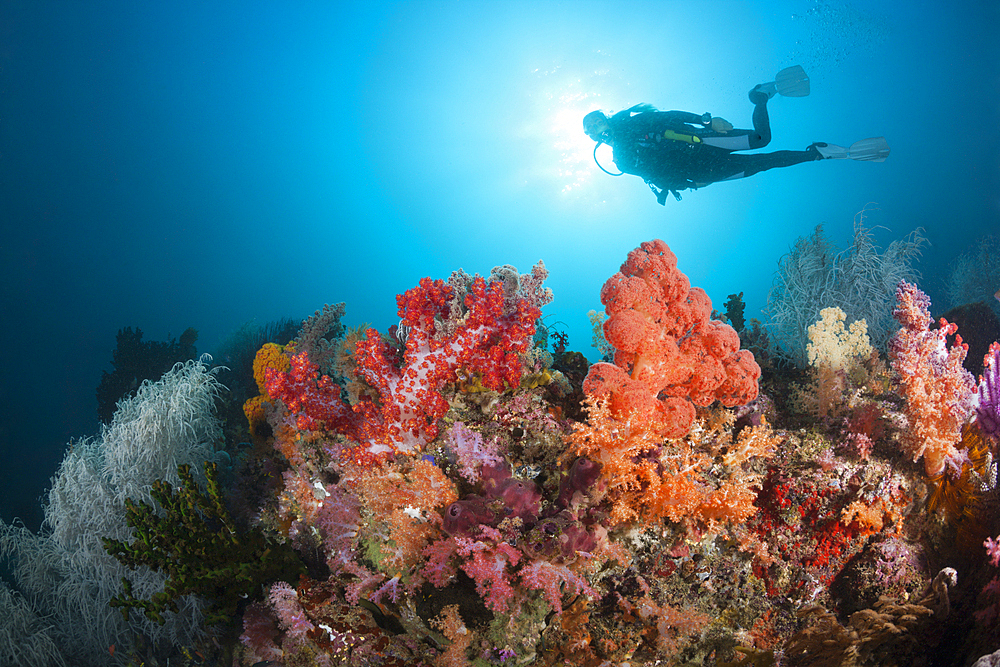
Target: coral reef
<point>463,489</point>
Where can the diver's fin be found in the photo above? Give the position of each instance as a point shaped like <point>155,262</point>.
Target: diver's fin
<point>789,82</point>
<point>875,149</point>
<point>792,82</point>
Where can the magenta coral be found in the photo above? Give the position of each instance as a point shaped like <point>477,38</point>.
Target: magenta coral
<point>938,390</point>
<point>988,407</point>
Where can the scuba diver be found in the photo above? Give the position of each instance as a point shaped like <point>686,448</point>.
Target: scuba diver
<point>676,150</point>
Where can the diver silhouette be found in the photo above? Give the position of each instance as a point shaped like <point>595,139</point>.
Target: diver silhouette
<point>677,150</point>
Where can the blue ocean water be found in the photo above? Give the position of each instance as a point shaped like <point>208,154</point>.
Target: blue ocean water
<point>209,164</point>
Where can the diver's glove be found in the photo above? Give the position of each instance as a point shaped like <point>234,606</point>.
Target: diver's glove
<point>721,125</point>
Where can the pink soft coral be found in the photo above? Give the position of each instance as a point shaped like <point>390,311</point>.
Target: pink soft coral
<point>472,452</point>
<point>993,549</point>
<point>490,567</point>
<point>670,356</point>
<point>992,590</point>
<point>939,392</point>
<point>285,602</point>
<point>550,578</point>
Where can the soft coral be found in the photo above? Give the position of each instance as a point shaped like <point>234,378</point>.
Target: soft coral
<point>670,356</point>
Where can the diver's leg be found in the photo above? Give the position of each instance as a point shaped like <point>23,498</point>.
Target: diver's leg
<point>736,165</point>
<point>761,121</point>
<point>742,140</point>
<point>754,164</point>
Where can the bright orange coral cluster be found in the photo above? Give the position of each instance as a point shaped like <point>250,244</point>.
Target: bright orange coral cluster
<point>670,356</point>
<point>270,355</point>
<point>402,502</point>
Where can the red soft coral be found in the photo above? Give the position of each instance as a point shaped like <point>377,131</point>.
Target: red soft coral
<point>476,325</point>
<point>314,399</point>
<point>483,334</point>
<point>670,356</point>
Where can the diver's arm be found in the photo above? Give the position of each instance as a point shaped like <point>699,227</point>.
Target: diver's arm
<point>687,117</point>
<point>695,122</point>
<point>672,117</point>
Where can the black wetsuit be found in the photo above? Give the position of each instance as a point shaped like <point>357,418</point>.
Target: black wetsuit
<point>684,157</point>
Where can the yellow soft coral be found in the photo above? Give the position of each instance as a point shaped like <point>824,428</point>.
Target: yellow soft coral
<point>836,346</point>
<point>833,351</point>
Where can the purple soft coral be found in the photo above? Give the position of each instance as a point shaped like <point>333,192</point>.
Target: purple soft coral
<point>988,410</point>
<point>472,452</point>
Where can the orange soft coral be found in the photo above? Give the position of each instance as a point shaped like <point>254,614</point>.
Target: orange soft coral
<point>670,356</point>
<point>401,503</point>
<point>646,478</point>
<point>270,355</point>
<point>253,408</point>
